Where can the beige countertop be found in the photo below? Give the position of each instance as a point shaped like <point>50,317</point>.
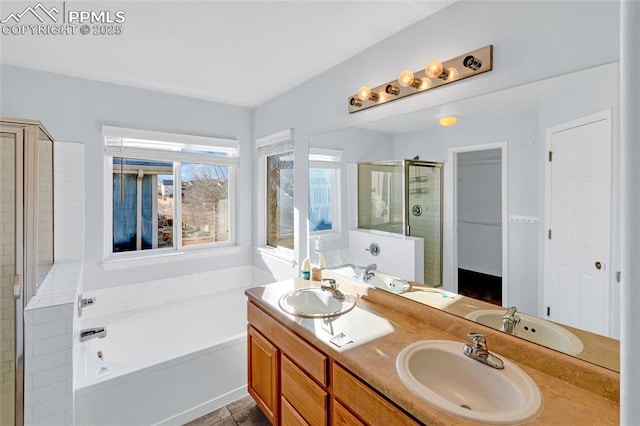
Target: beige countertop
<point>574,391</point>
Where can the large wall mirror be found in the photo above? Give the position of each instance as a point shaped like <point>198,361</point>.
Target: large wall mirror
<point>501,196</point>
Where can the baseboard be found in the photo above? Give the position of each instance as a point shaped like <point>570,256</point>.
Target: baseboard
<point>205,408</point>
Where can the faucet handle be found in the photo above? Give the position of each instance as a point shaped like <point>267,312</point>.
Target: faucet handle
<point>331,282</point>
<point>479,340</point>
<point>510,313</point>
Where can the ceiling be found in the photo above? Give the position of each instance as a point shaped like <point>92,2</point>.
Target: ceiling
<point>237,52</point>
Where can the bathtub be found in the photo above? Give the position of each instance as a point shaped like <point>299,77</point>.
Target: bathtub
<point>164,365</point>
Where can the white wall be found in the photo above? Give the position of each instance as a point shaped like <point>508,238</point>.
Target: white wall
<point>74,110</point>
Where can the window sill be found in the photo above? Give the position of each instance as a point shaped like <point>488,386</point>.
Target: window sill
<point>285,256</point>
<point>169,257</point>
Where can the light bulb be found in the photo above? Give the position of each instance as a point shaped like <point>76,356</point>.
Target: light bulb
<point>406,78</point>
<point>452,74</point>
<point>433,69</point>
<point>448,121</point>
<point>426,83</point>
<point>364,94</point>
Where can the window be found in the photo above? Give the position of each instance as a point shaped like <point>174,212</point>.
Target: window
<point>280,200</point>
<point>324,191</point>
<point>169,192</point>
<point>276,227</point>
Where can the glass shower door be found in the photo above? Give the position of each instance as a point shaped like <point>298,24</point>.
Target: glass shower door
<point>11,148</point>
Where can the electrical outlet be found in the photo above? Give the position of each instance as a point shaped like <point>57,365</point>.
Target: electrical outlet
<point>523,219</point>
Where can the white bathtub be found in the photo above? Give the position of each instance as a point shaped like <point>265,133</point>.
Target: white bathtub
<point>163,365</point>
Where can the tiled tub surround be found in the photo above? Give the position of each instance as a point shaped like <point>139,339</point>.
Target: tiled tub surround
<point>145,294</point>
<point>574,391</point>
<point>48,348</point>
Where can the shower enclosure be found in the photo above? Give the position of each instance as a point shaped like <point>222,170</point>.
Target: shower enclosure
<point>405,197</point>
<point>26,245</point>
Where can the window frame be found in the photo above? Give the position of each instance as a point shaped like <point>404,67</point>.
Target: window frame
<point>175,142</point>
<point>274,144</point>
<point>321,159</point>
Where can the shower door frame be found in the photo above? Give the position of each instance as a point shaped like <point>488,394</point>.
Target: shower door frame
<point>26,279</point>
<point>19,269</point>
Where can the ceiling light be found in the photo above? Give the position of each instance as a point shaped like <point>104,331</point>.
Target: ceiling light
<point>448,121</point>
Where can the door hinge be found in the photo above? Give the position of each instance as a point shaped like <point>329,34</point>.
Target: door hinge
<point>618,276</point>
<point>550,155</point>
<point>549,234</point>
<point>548,311</point>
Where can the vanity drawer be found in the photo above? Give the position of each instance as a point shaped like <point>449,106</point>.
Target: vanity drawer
<point>341,416</point>
<point>305,396</point>
<point>289,416</point>
<point>306,356</point>
<point>366,402</point>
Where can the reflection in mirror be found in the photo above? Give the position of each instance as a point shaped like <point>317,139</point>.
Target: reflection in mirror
<point>525,119</point>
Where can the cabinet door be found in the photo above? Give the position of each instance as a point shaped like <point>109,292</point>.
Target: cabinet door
<point>263,374</point>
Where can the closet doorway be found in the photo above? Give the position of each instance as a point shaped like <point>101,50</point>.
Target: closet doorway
<point>480,221</point>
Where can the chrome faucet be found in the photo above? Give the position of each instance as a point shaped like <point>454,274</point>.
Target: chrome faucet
<point>480,351</point>
<point>367,274</point>
<point>332,288</point>
<point>510,321</point>
<point>92,333</point>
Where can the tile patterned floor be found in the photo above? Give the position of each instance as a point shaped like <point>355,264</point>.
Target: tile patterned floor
<point>243,412</point>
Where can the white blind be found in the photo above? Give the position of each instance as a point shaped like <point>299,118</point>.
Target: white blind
<point>149,145</point>
<point>325,155</point>
<point>276,143</point>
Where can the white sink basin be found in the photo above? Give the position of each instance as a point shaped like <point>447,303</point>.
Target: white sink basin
<point>380,280</point>
<point>438,372</point>
<point>313,302</point>
<point>533,329</point>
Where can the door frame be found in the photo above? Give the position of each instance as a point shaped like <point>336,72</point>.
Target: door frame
<point>451,211</point>
<point>604,115</point>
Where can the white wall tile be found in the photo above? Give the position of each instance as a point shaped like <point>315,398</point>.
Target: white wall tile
<point>45,362</point>
<point>45,393</point>
<point>53,375</point>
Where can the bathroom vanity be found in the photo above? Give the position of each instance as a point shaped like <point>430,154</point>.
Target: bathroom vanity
<point>301,372</point>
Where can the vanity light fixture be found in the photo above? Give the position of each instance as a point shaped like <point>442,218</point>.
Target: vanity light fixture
<point>434,75</point>
<point>448,121</point>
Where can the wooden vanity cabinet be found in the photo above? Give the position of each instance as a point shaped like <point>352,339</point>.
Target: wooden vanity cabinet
<point>262,375</point>
<point>290,381</point>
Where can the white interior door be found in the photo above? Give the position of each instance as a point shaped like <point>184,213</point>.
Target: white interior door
<point>578,218</point>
